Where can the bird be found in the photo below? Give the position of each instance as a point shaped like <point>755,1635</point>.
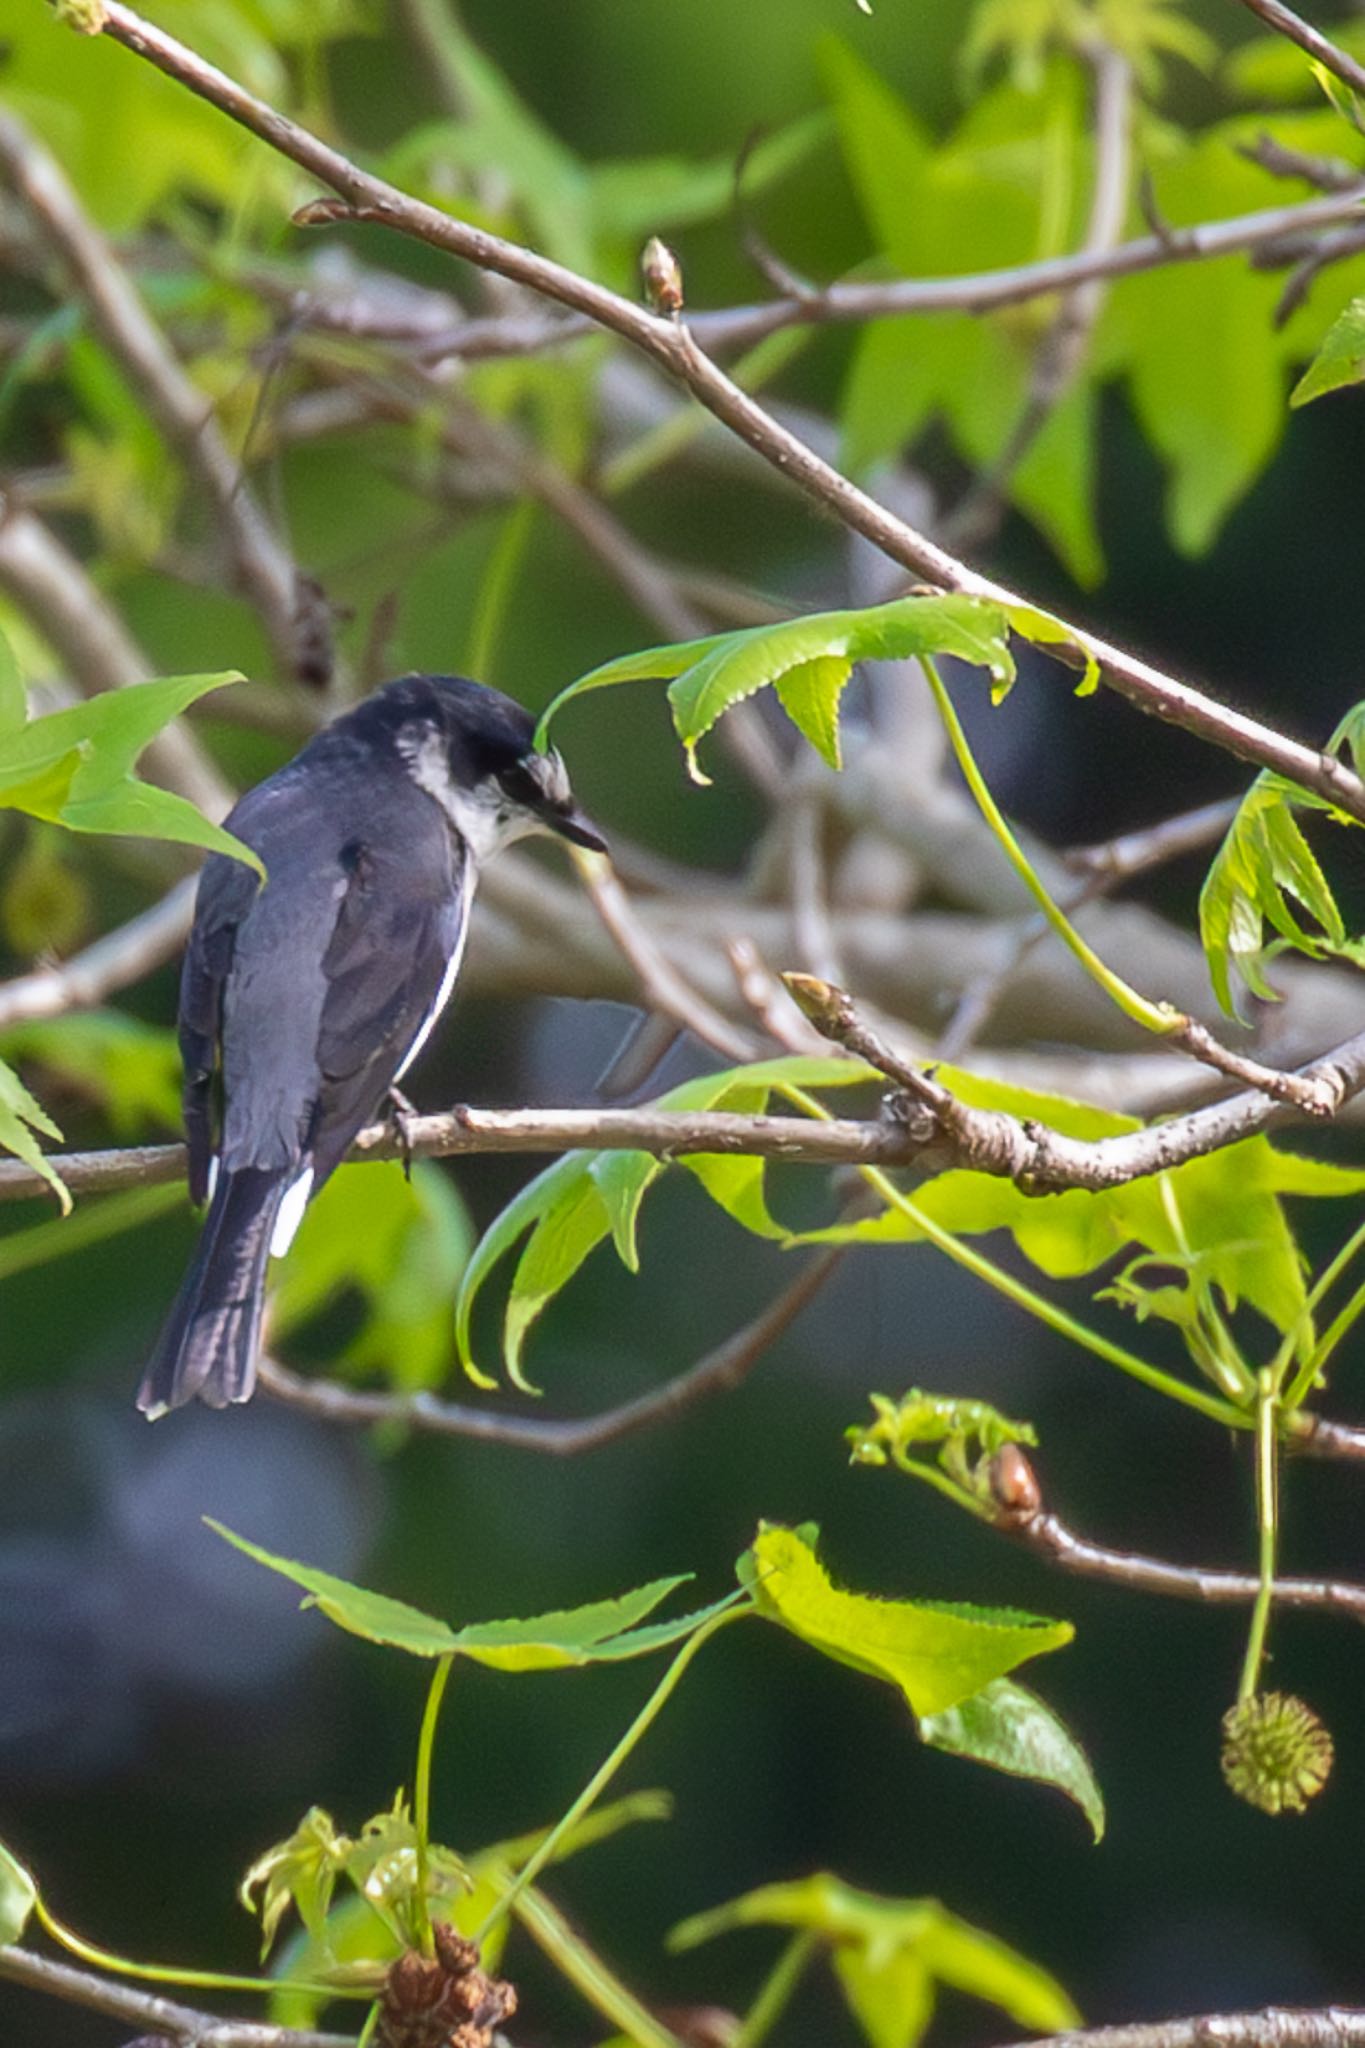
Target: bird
<point>304,1000</point>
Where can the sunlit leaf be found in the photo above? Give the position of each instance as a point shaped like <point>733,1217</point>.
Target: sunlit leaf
<point>1011,1729</point>
<point>711,675</point>
<point>575,1204</point>
<point>18,1896</point>
<point>934,1654</point>
<point>1340,360</point>
<point>1262,869</point>
<point>20,1117</point>
<point>13,695</point>
<point>888,1954</point>
<point>603,1630</point>
<point>132,1069</point>
<point>74,767</point>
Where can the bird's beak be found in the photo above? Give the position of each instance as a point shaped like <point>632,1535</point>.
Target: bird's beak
<point>575,825</point>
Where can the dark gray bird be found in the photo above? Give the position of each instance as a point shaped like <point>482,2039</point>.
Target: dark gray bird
<point>303,1002</point>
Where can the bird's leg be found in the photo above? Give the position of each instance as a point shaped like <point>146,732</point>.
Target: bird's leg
<point>402,1114</point>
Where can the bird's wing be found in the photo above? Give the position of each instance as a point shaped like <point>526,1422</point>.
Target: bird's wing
<point>388,970</point>
<point>227,890</point>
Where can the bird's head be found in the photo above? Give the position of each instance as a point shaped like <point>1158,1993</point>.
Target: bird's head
<point>473,750</point>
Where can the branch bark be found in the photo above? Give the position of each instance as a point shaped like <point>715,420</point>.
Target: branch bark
<point>1310,40</point>
<point>719,1372</point>
<point>163,2017</point>
<point>1275,2026</point>
<point>671,344</point>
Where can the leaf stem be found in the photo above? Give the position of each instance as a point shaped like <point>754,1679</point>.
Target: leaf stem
<point>1151,1016</point>
<point>166,1973</point>
<point>606,1771</point>
<point>1036,1305</point>
<point>775,1993</point>
<point>1267,1516</point>
<point>421,1799</point>
<point>1306,1377</point>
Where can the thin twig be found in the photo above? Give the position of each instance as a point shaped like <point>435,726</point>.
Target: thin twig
<point>1323,173</point>
<point>719,1372</point>
<point>1133,853</point>
<point>180,410</point>
<point>1311,40</point>
<point>664,989</point>
<point>669,343</point>
<point>1052,1539</point>
<point>112,962</point>
<point>162,2017</point>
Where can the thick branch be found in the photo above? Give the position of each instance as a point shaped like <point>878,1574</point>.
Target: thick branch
<point>718,1373</point>
<point>942,1132</point>
<point>670,344</point>
<point>148,2010</point>
<point>1276,2026</point>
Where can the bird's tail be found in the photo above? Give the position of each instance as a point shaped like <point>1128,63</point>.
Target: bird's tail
<point>209,1343</point>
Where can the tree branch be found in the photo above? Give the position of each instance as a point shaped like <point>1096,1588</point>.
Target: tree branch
<point>163,2017</point>
<point>719,1372</point>
<point>289,607</point>
<point>1309,39</point>
<point>669,343</point>
<point>1275,2026</point>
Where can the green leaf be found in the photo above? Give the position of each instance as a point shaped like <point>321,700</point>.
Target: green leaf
<point>372,1615</point>
<point>399,1245</point>
<point>13,696</point>
<point>1011,1729</point>
<point>884,1950</point>
<point>935,1655</point>
<point>809,694</point>
<point>575,1204</point>
<point>74,767</point>
<point>711,675</point>
<point>20,1117</point>
<point>602,1631</point>
<point>18,1896</point>
<point>131,1068</point>
<point>1263,867</point>
<point>1340,360</point>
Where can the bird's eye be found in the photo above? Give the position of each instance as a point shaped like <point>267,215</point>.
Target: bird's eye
<point>521,787</point>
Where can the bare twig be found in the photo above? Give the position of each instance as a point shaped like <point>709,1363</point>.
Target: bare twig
<point>184,416</point>
<point>1052,1539</point>
<point>1133,853</point>
<point>1275,2026</point>
<point>162,2017</point>
<point>1323,173</point>
<point>669,343</point>
<point>719,1372</point>
<point>1311,40</point>
<point>664,989</point>
<point>986,291</point>
<point>112,962</point>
